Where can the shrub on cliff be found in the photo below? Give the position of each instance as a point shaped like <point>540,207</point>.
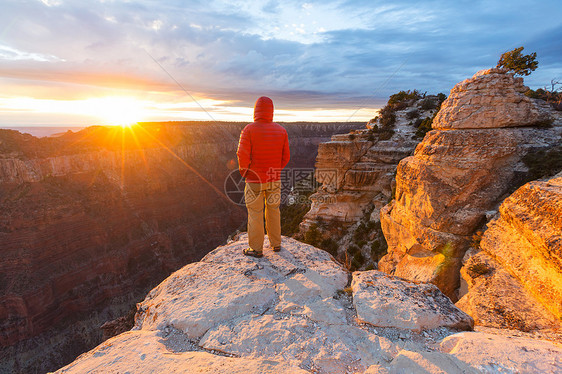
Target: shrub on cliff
<point>433,102</point>
<point>387,117</point>
<point>402,97</point>
<point>425,125</point>
<point>383,133</point>
<point>378,249</point>
<point>554,98</point>
<point>517,62</point>
<point>544,163</point>
<point>313,236</point>
<point>414,113</point>
<point>292,217</point>
<point>330,246</point>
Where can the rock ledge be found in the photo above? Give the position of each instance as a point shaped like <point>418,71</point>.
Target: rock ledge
<point>293,312</point>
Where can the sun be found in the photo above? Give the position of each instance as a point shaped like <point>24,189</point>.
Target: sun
<point>119,111</point>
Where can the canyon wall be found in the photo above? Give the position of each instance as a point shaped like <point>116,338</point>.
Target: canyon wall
<point>460,173</point>
<point>356,170</point>
<point>356,173</point>
<point>91,221</point>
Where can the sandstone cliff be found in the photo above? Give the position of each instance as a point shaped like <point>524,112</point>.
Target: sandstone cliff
<point>460,173</point>
<point>514,280</point>
<point>91,221</point>
<point>294,312</point>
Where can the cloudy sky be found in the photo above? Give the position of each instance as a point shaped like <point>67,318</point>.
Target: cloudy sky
<point>66,62</point>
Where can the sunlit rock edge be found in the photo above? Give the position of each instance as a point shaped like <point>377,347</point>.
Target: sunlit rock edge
<point>300,311</point>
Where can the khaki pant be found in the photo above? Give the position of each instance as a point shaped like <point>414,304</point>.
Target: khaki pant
<point>257,195</point>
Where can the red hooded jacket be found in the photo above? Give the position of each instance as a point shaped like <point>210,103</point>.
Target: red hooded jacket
<point>263,149</point>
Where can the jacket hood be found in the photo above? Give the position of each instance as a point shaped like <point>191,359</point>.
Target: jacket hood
<point>263,109</point>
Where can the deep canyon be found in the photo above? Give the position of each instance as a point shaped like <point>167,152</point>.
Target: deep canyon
<point>91,221</point>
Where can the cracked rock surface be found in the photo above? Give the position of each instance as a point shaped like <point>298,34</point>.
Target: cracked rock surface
<point>294,311</point>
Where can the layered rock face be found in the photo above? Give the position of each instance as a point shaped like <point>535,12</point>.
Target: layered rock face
<point>86,230</point>
<point>292,312</point>
<point>515,280</point>
<point>459,173</point>
<point>356,171</point>
<point>492,99</point>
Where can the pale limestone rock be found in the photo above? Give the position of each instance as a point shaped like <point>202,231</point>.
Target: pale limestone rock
<point>181,301</point>
<point>298,339</point>
<point>147,352</point>
<point>386,301</point>
<point>490,353</point>
<point>492,98</point>
<point>304,294</point>
<point>424,362</point>
<point>495,298</point>
<point>238,285</point>
<point>303,321</point>
<point>522,250</point>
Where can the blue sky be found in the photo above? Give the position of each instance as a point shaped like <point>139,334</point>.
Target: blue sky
<point>85,62</point>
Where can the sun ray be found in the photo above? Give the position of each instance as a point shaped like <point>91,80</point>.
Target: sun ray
<point>140,147</point>
<point>122,158</point>
<point>191,168</point>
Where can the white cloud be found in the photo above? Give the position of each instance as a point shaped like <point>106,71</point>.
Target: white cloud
<point>9,53</point>
<point>156,24</point>
<point>50,3</point>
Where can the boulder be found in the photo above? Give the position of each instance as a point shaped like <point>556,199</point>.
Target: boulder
<point>492,353</point>
<point>492,98</point>
<point>386,301</point>
<point>495,298</point>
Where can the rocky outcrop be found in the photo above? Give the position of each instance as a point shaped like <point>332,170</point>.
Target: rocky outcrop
<point>381,300</point>
<point>478,352</point>
<point>148,352</point>
<point>515,280</point>
<point>293,312</point>
<point>356,171</point>
<point>458,175</point>
<point>88,228</point>
<point>492,98</point>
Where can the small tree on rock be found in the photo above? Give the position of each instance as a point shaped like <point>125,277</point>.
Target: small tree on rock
<point>518,63</point>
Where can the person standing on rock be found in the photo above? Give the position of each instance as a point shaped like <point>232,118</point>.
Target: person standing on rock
<point>263,151</point>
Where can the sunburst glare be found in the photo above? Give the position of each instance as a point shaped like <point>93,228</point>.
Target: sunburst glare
<point>119,111</point>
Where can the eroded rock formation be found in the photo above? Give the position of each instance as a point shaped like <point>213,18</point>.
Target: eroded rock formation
<point>459,173</point>
<point>292,312</point>
<point>491,99</point>
<point>356,171</point>
<point>515,280</point>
